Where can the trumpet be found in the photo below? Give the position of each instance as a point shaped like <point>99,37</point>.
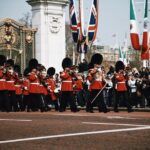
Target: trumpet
<point>72,71</point>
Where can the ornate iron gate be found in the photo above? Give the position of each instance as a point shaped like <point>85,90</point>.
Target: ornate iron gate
<point>17,42</point>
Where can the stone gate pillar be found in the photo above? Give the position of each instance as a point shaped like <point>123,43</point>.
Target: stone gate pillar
<point>48,17</point>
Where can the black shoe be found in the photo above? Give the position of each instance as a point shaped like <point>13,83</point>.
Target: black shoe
<point>28,110</point>
<point>42,109</point>
<point>106,111</point>
<point>61,110</point>
<point>91,111</point>
<point>116,110</point>
<point>130,110</point>
<point>78,109</point>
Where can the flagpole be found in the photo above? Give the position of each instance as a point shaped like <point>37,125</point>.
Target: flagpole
<point>148,50</point>
<point>73,54</point>
<point>82,54</point>
<point>149,58</point>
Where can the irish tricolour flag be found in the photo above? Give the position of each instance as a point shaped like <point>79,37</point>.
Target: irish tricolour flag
<point>133,27</point>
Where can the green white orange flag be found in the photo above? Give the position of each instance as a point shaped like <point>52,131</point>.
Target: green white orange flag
<point>120,54</point>
<point>145,32</point>
<point>125,58</point>
<point>133,27</point>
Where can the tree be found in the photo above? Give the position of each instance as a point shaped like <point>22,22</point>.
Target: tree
<point>26,19</point>
<point>136,62</point>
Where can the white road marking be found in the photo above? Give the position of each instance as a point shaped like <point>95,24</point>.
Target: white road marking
<point>75,134</point>
<point>115,124</point>
<point>97,115</point>
<point>119,117</point>
<point>72,114</point>
<point>19,120</point>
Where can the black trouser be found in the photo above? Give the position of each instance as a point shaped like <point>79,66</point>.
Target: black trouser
<point>19,99</point>
<point>13,100</point>
<point>26,102</point>
<point>80,98</point>
<point>148,101</point>
<point>99,101</point>
<point>124,96</point>
<point>67,98</point>
<point>133,98</point>
<point>35,102</point>
<point>4,101</point>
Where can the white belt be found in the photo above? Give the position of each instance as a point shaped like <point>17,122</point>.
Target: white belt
<point>121,82</point>
<point>67,81</point>
<point>98,80</point>
<point>35,83</point>
<point>2,80</point>
<point>11,81</point>
<point>18,85</point>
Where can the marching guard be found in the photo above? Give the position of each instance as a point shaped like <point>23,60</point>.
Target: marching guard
<point>121,86</point>
<point>25,92</point>
<point>67,87</point>
<point>19,87</point>
<point>52,87</point>
<point>97,84</point>
<point>4,100</point>
<point>34,89</point>
<point>11,78</point>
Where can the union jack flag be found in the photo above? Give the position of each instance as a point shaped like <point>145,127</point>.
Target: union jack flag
<point>92,28</point>
<point>73,21</point>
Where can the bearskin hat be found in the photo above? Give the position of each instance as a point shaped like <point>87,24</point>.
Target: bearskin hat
<point>51,71</point>
<point>33,63</point>
<point>119,66</point>
<point>90,65</point>
<point>17,68</point>
<point>111,70</point>
<point>26,72</point>
<point>10,62</point>
<point>83,67</point>
<point>97,59</point>
<point>40,67</point>
<point>2,60</point>
<point>66,63</point>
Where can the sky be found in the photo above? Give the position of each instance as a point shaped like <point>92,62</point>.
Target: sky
<point>114,20</point>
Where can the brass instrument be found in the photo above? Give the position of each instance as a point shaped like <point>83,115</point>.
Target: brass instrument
<point>72,71</point>
<point>97,74</point>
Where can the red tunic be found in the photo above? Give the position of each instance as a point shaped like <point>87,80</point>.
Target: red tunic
<point>26,85</point>
<point>66,84</point>
<point>43,85</point>
<point>51,87</point>
<point>18,89</point>
<point>2,80</point>
<point>18,86</point>
<point>34,83</point>
<point>11,78</point>
<point>121,82</point>
<point>96,84</point>
<point>78,84</point>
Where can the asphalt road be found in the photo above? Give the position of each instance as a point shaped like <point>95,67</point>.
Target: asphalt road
<point>75,131</point>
